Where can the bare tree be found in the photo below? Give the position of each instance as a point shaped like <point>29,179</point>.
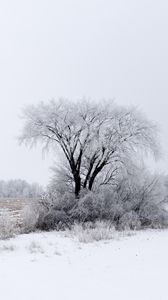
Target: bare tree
<point>94,137</point>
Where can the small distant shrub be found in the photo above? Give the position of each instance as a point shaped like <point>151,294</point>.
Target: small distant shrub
<point>35,247</point>
<point>7,248</point>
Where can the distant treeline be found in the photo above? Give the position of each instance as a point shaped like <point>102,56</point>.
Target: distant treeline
<point>19,188</point>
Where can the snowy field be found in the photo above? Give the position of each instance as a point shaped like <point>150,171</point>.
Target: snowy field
<point>50,266</point>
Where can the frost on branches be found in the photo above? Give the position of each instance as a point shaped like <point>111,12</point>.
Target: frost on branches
<point>98,140</point>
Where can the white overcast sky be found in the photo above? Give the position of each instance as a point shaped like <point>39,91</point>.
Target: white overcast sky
<point>73,48</point>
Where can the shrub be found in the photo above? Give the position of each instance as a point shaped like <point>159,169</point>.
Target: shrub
<point>48,213</point>
<point>88,208</point>
<point>133,203</point>
<point>30,217</point>
<point>129,220</point>
<point>153,215</point>
<point>55,219</point>
<point>65,202</point>
<point>111,205</point>
<point>8,226</point>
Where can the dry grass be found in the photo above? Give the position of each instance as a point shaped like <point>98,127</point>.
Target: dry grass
<point>14,208</point>
<point>88,233</point>
<point>14,203</point>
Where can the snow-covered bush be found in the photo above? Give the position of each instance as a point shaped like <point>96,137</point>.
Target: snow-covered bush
<point>55,219</point>
<point>103,205</point>
<point>34,212</point>
<point>130,220</point>
<point>134,202</point>
<point>153,215</point>
<point>30,217</point>
<point>8,226</point>
<point>141,196</point>
<point>111,205</point>
<point>54,211</point>
<point>65,202</point>
<point>88,208</point>
<point>48,213</point>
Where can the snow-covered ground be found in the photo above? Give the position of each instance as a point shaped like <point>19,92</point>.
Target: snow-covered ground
<point>51,266</point>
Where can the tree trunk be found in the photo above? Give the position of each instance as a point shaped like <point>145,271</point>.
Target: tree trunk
<point>95,173</point>
<point>92,179</point>
<point>77,180</point>
<point>93,159</point>
<point>87,178</point>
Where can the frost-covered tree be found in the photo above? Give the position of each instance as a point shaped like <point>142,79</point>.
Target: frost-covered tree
<point>19,188</point>
<point>96,138</point>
